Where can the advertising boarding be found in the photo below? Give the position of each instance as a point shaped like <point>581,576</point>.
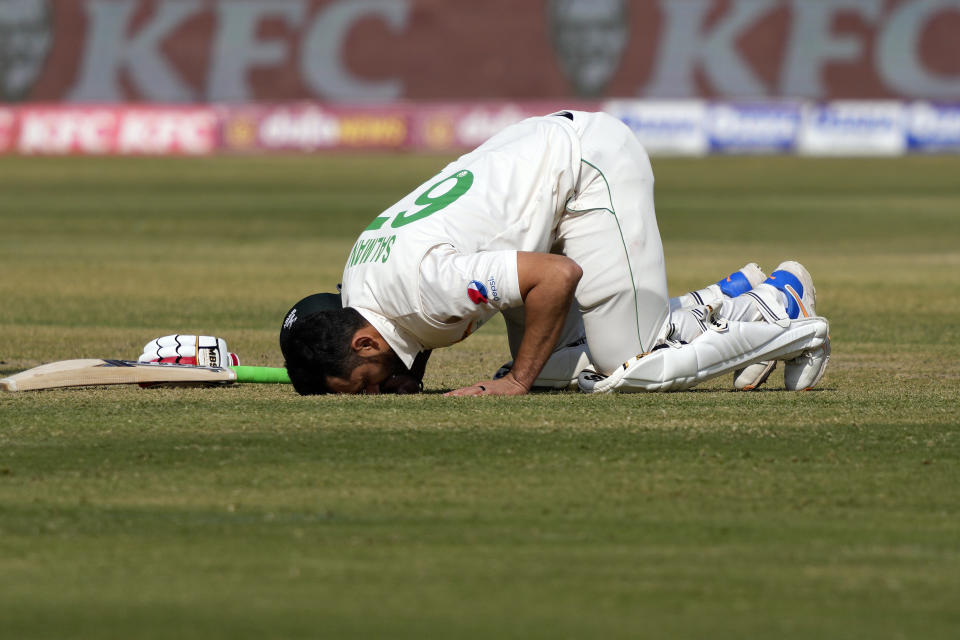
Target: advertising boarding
<point>8,121</point>
<point>853,128</point>
<point>53,130</point>
<point>933,127</point>
<point>676,127</point>
<point>753,128</point>
<point>378,51</point>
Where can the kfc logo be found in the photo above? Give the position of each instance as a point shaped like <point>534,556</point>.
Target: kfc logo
<point>25,38</point>
<point>589,37</point>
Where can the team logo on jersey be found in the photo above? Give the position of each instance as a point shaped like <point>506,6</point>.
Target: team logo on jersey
<point>477,292</point>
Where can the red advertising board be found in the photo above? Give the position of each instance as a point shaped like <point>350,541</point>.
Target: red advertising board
<point>227,51</point>
<point>424,126</point>
<point>687,127</point>
<point>314,127</point>
<point>51,129</point>
<point>8,123</point>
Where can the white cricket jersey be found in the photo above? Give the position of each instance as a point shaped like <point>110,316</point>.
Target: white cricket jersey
<point>432,268</point>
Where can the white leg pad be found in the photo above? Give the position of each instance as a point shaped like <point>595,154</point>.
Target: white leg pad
<point>563,367</point>
<point>711,295</point>
<point>560,371</point>
<point>713,353</point>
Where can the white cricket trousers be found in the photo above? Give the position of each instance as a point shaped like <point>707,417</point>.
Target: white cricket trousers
<point>609,227</point>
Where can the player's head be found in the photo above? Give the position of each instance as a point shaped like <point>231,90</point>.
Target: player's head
<point>336,351</point>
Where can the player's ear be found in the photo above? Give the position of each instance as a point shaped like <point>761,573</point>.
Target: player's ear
<point>366,343</point>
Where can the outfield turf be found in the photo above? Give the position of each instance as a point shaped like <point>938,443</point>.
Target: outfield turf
<point>249,512</point>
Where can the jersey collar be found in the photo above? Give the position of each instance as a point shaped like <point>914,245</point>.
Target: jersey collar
<point>403,344</point>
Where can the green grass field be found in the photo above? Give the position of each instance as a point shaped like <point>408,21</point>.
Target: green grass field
<point>250,512</point>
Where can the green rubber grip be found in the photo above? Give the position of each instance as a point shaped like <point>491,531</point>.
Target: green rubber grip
<point>275,375</point>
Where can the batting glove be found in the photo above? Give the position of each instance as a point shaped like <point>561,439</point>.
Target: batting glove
<point>180,348</point>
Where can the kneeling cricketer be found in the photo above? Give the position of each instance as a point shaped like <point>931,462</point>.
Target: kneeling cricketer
<point>550,222</point>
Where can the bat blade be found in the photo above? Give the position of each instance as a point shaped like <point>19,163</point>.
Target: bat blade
<point>94,372</point>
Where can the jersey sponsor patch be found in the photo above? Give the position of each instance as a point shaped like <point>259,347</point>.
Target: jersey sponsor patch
<point>494,292</point>
<point>477,292</point>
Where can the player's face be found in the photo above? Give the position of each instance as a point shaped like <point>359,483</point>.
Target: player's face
<point>367,377</point>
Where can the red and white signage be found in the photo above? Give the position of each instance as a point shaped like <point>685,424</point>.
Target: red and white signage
<point>8,120</point>
<point>122,130</point>
<point>312,127</point>
<point>230,51</point>
<point>685,127</point>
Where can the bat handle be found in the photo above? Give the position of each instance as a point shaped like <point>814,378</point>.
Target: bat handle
<point>269,375</point>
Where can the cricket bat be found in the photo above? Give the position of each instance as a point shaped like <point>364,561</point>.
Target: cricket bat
<point>92,372</point>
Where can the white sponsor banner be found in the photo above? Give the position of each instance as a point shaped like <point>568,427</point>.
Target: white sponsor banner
<point>853,128</point>
<point>753,128</point>
<point>933,127</point>
<point>668,127</point>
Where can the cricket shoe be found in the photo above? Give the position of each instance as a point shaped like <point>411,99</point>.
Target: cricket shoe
<point>805,370</point>
<point>793,279</point>
<point>751,377</point>
<point>754,375</point>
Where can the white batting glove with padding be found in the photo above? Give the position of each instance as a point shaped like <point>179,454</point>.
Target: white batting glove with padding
<point>180,348</point>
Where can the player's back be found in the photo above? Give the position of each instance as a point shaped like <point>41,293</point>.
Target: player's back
<point>506,194</point>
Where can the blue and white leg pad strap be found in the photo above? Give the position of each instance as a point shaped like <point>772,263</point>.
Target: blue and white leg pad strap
<point>734,284</point>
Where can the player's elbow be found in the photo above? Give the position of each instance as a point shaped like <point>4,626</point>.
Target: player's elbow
<point>569,272</point>
<point>565,276</point>
<point>547,271</point>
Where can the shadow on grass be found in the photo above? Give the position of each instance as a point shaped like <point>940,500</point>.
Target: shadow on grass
<point>561,392</point>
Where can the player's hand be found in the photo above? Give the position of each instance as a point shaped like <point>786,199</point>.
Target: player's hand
<point>505,386</point>
<point>181,348</point>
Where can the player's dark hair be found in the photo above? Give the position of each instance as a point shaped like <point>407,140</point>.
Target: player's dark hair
<point>319,345</point>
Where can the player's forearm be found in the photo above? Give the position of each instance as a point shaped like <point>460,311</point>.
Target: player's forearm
<point>547,283</point>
